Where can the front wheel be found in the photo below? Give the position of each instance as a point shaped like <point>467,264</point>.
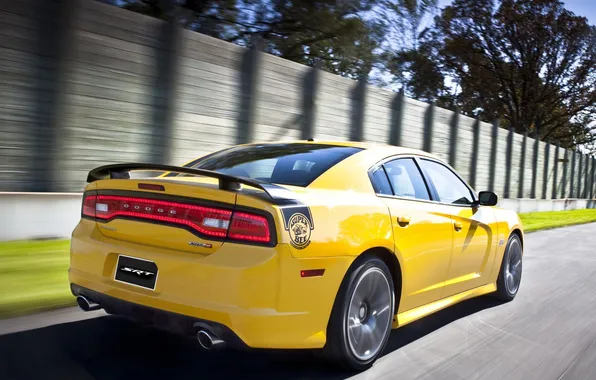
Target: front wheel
<point>360,322</point>
<point>511,270</point>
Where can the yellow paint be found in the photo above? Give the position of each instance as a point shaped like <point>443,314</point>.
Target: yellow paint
<point>474,247</point>
<point>422,311</point>
<point>258,292</point>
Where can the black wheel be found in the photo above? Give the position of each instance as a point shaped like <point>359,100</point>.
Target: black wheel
<point>511,270</point>
<point>361,318</point>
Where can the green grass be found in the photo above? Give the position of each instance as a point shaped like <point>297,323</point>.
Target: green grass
<point>534,221</point>
<point>34,276</point>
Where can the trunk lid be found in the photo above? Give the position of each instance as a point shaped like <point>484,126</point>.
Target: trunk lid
<point>182,213</point>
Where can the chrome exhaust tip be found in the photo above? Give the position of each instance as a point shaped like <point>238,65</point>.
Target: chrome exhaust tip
<point>87,305</point>
<point>209,341</point>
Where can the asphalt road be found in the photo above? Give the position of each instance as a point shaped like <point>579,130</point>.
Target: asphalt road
<point>547,332</point>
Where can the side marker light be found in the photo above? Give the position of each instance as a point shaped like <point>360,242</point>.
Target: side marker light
<point>312,272</point>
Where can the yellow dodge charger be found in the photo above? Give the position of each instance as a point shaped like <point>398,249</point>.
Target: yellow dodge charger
<point>294,245</point>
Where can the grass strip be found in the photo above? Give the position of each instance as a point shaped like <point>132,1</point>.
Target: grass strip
<point>34,276</point>
<point>535,221</point>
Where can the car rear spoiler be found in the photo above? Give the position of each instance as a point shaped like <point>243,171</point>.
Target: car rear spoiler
<point>226,181</point>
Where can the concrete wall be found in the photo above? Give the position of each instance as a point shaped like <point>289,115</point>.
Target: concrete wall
<point>38,216</point>
<point>523,205</point>
<point>84,84</point>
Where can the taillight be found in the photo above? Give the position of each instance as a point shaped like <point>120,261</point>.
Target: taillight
<point>249,227</point>
<point>214,222</point>
<point>206,220</point>
<point>89,205</point>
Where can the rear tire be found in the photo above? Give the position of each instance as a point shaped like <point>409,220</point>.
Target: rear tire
<point>361,318</point>
<point>509,279</point>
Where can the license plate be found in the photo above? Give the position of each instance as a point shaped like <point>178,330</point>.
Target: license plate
<point>138,272</point>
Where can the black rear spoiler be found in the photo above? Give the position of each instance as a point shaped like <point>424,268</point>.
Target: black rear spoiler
<point>226,182</point>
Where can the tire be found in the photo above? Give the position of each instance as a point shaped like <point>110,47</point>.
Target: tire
<point>358,312</point>
<point>510,274</point>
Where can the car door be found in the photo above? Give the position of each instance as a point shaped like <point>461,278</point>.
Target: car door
<point>422,230</point>
<point>474,227</point>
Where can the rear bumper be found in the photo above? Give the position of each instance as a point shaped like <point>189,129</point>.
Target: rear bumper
<point>173,322</point>
<point>254,296</point>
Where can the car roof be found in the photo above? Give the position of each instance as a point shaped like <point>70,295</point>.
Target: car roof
<point>373,150</point>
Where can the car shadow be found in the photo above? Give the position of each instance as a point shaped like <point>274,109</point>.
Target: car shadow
<point>111,347</point>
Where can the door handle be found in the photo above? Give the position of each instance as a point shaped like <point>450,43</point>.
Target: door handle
<point>458,226</point>
<point>403,219</point>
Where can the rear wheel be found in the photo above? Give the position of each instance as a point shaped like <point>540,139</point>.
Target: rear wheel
<point>511,270</point>
<point>360,322</point>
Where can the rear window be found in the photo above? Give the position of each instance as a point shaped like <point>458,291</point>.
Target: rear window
<point>287,164</point>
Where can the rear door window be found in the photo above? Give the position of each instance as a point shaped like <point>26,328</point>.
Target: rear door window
<point>296,164</point>
<point>406,179</point>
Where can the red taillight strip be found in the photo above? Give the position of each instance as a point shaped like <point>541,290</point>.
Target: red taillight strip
<point>167,219</point>
<point>89,209</point>
<point>238,236</point>
<point>163,203</point>
<point>235,229</point>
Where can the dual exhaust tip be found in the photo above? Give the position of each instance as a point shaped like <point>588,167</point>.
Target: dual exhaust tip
<point>209,341</point>
<point>86,304</point>
<point>206,339</point>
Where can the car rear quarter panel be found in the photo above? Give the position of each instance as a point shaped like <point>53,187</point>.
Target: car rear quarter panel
<point>343,223</point>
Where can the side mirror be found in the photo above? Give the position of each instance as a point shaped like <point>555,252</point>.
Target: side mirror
<point>487,198</point>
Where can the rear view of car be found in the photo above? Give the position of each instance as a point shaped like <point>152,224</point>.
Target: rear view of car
<point>296,245</point>
<point>208,248</point>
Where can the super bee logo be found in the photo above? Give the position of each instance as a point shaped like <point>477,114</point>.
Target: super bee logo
<point>299,226</point>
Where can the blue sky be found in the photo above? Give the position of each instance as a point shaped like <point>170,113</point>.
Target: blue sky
<point>585,8</point>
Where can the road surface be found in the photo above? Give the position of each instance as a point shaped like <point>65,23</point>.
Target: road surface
<point>547,332</point>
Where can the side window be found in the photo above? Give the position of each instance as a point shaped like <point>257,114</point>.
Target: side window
<point>380,182</point>
<point>406,179</point>
<point>449,187</point>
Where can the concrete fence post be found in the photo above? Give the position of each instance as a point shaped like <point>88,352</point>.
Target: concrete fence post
<point>53,41</point>
<point>429,117</point>
<point>522,165</point>
<point>493,154</point>
<point>163,98</point>
<point>249,81</point>
<point>454,127</point>
<point>309,96</point>
<point>358,104</point>
<point>579,175</point>
<point>564,179</point>
<point>586,176</point>
<point>474,159</point>
<point>545,171</point>
<point>555,172</point>
<point>397,115</point>
<point>508,163</point>
<point>572,175</point>
<point>592,179</point>
<point>535,165</point>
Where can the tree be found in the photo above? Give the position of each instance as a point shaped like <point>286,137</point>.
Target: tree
<point>411,56</point>
<point>531,61</point>
<point>335,33</point>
